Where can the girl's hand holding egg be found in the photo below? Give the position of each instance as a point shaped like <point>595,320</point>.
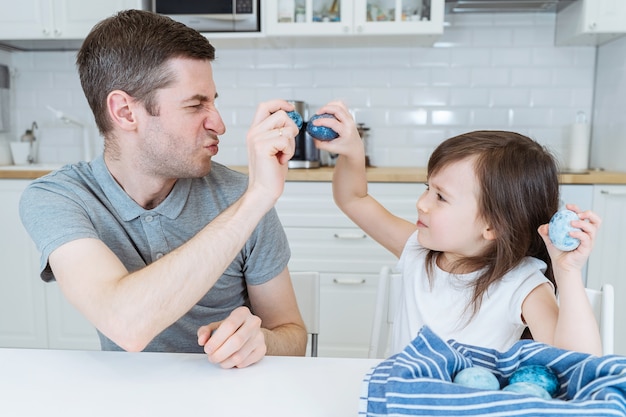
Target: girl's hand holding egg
<point>321,132</point>
<point>560,228</point>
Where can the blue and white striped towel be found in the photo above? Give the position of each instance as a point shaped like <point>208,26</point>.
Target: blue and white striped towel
<point>417,382</point>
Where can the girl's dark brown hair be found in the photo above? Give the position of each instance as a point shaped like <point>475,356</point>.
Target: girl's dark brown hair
<point>519,191</point>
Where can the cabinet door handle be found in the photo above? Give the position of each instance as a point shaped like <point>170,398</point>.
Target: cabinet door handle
<point>350,236</point>
<point>348,281</point>
<point>608,192</point>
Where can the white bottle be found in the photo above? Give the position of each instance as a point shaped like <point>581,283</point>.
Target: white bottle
<point>578,160</point>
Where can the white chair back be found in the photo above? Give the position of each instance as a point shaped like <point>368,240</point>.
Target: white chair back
<point>307,288</point>
<point>603,304</point>
<point>386,301</point>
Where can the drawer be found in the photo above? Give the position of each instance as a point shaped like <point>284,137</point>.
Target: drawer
<point>335,250</point>
<point>311,204</point>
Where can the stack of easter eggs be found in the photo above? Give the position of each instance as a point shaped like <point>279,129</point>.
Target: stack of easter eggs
<point>536,380</point>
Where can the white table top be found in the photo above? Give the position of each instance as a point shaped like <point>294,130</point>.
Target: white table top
<point>36,382</point>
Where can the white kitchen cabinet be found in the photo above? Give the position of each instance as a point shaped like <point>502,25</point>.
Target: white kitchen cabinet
<point>22,296</point>
<point>354,17</point>
<point>67,328</point>
<point>56,19</point>
<point>323,239</point>
<point>33,314</point>
<point>607,263</point>
<point>590,22</point>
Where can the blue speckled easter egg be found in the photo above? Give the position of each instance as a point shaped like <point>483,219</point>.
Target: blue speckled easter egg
<point>296,117</point>
<point>477,377</point>
<point>321,132</point>
<point>559,229</point>
<point>529,389</point>
<point>537,374</point>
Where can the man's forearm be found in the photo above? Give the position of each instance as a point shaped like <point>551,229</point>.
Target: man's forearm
<point>286,340</point>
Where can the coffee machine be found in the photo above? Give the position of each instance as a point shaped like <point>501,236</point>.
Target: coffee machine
<point>306,154</point>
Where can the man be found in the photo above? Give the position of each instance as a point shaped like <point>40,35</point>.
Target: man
<point>159,247</point>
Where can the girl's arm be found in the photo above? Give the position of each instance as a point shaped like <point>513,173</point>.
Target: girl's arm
<point>350,183</point>
<point>572,324</point>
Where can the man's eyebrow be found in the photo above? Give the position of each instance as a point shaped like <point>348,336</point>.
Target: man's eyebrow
<point>199,97</point>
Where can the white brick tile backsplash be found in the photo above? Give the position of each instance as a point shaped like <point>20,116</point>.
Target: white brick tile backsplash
<point>490,118</point>
<point>493,77</point>
<point>478,97</point>
<point>533,36</point>
<point>487,71</point>
<point>430,96</point>
<point>550,97</point>
<point>470,57</point>
<point>398,97</point>
<point>459,77</point>
<point>407,76</point>
<point>375,77</point>
<point>492,37</point>
<point>412,117</point>
<point>458,116</point>
<point>511,57</point>
<point>431,57</point>
<point>509,97</point>
<point>530,77</point>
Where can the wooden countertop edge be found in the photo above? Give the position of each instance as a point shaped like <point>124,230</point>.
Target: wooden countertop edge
<point>374,174</point>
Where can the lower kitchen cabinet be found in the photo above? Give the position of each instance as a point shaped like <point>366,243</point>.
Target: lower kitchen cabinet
<point>33,314</point>
<point>607,263</point>
<point>346,305</point>
<point>323,239</point>
<point>22,297</point>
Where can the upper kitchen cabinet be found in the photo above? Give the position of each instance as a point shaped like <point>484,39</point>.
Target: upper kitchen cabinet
<point>56,19</point>
<point>355,17</point>
<point>591,22</point>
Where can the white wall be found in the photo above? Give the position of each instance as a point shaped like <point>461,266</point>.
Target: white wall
<point>499,71</point>
<point>609,128</point>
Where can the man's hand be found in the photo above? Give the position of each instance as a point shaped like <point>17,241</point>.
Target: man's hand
<point>235,342</point>
<point>271,145</point>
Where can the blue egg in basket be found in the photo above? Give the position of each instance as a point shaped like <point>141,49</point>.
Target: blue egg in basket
<point>296,117</point>
<point>477,377</point>
<point>321,132</point>
<point>528,389</point>
<point>559,229</point>
<point>536,374</point>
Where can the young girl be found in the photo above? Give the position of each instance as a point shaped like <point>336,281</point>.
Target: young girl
<point>478,265</point>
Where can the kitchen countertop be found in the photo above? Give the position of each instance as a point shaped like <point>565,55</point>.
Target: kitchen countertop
<point>374,174</point>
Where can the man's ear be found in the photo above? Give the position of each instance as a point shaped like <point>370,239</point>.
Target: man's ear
<point>120,106</point>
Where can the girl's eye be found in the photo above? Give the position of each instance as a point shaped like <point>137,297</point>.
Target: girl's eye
<point>427,186</point>
<point>440,197</point>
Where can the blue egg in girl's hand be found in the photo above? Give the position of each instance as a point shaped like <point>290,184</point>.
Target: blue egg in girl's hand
<point>296,117</point>
<point>559,228</point>
<point>477,377</point>
<point>321,132</point>
<point>528,389</point>
<point>538,375</point>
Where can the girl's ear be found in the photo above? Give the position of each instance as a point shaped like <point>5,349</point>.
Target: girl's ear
<point>489,233</point>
